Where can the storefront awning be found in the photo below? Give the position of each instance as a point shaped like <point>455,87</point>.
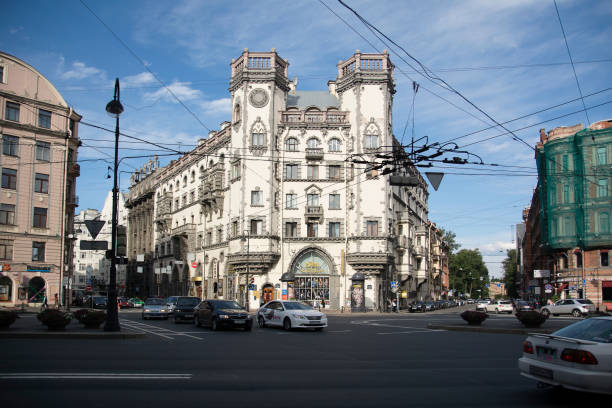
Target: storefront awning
<point>562,286</point>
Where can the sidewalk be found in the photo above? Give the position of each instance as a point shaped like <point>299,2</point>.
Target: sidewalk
<point>27,326</point>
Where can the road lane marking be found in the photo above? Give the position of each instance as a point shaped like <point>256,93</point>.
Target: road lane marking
<point>98,376</point>
<point>412,331</point>
<point>158,331</point>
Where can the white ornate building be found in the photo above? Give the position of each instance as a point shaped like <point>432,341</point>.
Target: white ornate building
<point>275,195</point>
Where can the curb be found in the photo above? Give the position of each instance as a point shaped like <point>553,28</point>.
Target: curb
<point>478,329</point>
<point>70,335</point>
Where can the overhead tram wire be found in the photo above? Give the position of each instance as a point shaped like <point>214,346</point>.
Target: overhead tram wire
<point>145,65</point>
<point>572,61</point>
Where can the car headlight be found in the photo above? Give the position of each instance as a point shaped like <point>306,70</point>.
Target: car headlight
<point>163,310</point>
<point>299,316</point>
<point>147,310</point>
<point>223,316</point>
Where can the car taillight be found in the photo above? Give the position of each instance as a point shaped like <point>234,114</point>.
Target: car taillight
<point>527,347</point>
<point>578,356</point>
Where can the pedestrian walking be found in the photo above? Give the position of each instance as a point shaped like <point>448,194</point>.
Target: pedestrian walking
<point>394,305</point>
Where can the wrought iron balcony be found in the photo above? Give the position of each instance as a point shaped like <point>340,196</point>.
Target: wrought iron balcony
<point>314,213</point>
<point>314,153</point>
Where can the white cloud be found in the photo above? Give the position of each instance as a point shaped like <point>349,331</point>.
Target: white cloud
<point>181,90</point>
<point>81,71</point>
<point>144,78</point>
<point>218,106</point>
<point>15,30</point>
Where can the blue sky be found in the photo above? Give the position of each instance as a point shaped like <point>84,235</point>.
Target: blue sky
<point>507,57</point>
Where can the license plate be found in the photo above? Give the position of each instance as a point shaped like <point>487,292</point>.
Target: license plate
<point>239,321</point>
<point>541,372</point>
<point>546,353</point>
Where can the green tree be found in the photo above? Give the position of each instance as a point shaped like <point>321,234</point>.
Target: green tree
<point>451,240</point>
<point>468,273</point>
<point>510,274</point>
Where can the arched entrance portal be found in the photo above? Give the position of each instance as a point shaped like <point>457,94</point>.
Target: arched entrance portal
<point>6,289</point>
<point>36,290</point>
<point>311,272</point>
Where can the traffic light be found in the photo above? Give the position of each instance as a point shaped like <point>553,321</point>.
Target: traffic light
<point>121,241</point>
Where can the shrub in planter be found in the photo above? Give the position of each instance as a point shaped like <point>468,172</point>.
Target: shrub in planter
<point>54,319</point>
<point>7,317</point>
<point>79,314</point>
<point>531,318</point>
<point>93,319</point>
<point>474,317</point>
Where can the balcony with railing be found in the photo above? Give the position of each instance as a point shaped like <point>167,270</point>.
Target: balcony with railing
<point>314,213</point>
<point>164,206</point>
<point>314,153</point>
<point>184,229</point>
<point>404,242</point>
<point>74,169</point>
<point>419,250</point>
<point>72,200</point>
<point>314,118</point>
<point>259,61</point>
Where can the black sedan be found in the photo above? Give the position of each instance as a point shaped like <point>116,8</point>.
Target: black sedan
<point>185,306</point>
<point>97,302</point>
<point>218,314</point>
<point>417,306</point>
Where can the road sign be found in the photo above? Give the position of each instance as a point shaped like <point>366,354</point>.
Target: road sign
<point>88,288</point>
<point>548,287</point>
<point>94,227</point>
<point>394,286</point>
<point>194,264</point>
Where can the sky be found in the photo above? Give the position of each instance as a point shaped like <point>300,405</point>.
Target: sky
<point>508,58</point>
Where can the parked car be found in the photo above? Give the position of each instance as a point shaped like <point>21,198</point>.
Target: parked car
<point>430,306</point>
<point>218,314</point>
<point>575,307</point>
<point>123,302</point>
<point>155,307</point>
<point>482,305</point>
<point>97,302</point>
<point>136,302</point>
<point>417,306</point>
<point>499,306</point>
<point>523,306</point>
<point>185,306</point>
<point>171,303</point>
<point>577,357</point>
<point>290,314</point>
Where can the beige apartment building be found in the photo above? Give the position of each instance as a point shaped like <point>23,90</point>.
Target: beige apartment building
<point>37,199</point>
<point>272,205</point>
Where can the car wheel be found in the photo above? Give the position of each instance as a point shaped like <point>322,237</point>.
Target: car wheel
<point>318,329</point>
<point>546,312</point>
<point>287,324</point>
<point>143,317</point>
<point>214,325</point>
<point>196,321</point>
<point>248,327</point>
<point>576,313</point>
<point>261,322</point>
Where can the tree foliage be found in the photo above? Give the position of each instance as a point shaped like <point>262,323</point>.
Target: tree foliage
<point>451,240</point>
<point>468,273</point>
<point>510,274</point>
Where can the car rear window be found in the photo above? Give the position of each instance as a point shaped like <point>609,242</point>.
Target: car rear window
<point>189,302</point>
<point>585,301</point>
<point>599,330</point>
<point>155,301</point>
<point>505,302</point>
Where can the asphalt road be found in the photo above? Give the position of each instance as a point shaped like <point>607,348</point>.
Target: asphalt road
<point>379,360</point>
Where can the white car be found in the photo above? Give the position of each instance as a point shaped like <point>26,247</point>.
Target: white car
<point>575,307</point>
<point>499,306</point>
<point>290,314</point>
<point>578,357</point>
<point>482,305</point>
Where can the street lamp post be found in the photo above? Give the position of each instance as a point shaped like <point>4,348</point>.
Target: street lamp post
<point>114,108</point>
<point>247,283</point>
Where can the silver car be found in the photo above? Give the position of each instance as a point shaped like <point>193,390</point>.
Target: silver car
<point>155,308</point>
<point>575,307</point>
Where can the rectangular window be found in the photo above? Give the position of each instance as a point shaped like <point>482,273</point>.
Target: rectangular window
<point>41,183</point>
<point>10,145</point>
<point>566,198</point>
<point>291,171</point>
<point>291,201</point>
<point>235,170</point>
<point>602,188</point>
<point>291,229</point>
<point>258,139</point>
<point>313,172</point>
<point>372,228</point>
<point>1,74</point>
<point>601,156</point>
<point>12,111</point>
<point>9,179</point>
<point>334,172</point>
<point>38,251</point>
<point>44,119</point>
<point>312,200</point>
<point>603,257</point>
<point>6,249</point>
<point>313,229</point>
<point>40,218</point>
<point>256,197</point>
<point>256,227</point>
<point>578,259</point>
<point>565,163</point>
<point>334,229</point>
<point>7,214</point>
<point>334,201</point>
<point>371,142</point>
<point>235,229</point>
<point>43,151</point>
